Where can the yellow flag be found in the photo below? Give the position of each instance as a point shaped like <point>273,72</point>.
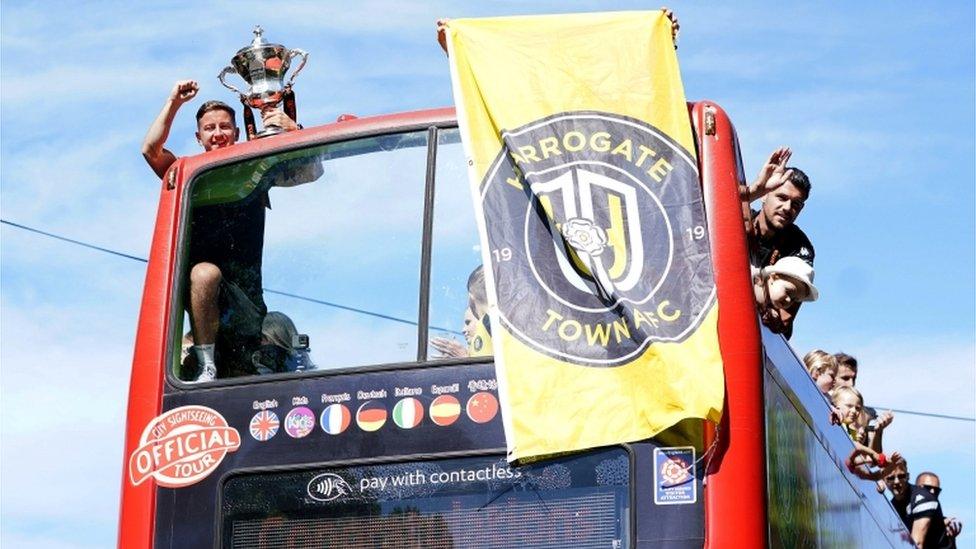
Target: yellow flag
<point>583,172</point>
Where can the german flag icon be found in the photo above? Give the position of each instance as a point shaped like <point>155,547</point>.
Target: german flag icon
<point>371,416</point>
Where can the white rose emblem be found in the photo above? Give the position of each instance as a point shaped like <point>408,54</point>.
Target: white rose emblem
<point>674,471</point>
<point>584,236</point>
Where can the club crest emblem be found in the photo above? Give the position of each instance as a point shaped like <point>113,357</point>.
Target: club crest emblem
<point>597,236</point>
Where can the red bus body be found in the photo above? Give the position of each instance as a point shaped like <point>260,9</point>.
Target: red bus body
<point>736,491</point>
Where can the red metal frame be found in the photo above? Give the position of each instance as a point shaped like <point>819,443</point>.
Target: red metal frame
<point>137,508</point>
<point>347,128</point>
<point>735,494</point>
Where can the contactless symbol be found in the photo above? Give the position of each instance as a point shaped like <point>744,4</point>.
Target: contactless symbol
<point>182,447</point>
<point>328,487</point>
<point>445,410</point>
<point>264,425</point>
<point>482,407</point>
<point>599,217</point>
<point>408,413</point>
<point>371,416</point>
<point>335,419</point>
<point>299,422</point>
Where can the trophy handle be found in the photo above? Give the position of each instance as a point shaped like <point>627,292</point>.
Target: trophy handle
<point>291,55</point>
<point>228,70</point>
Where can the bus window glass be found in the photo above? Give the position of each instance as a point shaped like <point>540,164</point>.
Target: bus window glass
<point>317,253</point>
<point>582,501</point>
<point>458,319</point>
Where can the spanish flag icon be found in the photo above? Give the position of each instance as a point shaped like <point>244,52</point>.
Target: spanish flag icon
<point>444,410</point>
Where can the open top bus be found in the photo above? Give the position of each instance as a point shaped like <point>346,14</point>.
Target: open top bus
<point>367,241</point>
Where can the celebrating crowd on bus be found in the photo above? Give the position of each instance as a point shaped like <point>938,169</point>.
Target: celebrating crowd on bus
<point>782,261</point>
<point>916,504</point>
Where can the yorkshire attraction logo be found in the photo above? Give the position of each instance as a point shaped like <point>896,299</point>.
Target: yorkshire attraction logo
<point>598,240</point>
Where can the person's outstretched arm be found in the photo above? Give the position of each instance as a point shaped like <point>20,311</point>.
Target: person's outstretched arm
<point>883,421</point>
<point>156,155</point>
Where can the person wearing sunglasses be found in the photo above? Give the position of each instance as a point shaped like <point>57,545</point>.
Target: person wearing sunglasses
<point>919,508</point>
<point>953,527</point>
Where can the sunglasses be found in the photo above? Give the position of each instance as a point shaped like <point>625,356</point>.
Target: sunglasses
<point>892,478</point>
<point>936,490</point>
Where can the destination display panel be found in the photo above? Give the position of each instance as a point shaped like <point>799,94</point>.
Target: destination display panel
<point>583,501</point>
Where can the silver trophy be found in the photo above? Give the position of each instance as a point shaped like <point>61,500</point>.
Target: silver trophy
<point>263,67</point>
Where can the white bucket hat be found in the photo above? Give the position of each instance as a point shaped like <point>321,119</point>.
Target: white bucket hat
<point>798,270</point>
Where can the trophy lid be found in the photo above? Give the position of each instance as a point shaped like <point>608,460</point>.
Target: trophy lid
<point>258,37</point>
<point>259,42</point>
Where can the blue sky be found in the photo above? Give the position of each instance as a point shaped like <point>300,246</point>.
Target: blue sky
<point>876,100</point>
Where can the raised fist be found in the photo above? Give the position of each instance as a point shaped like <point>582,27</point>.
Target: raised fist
<point>183,91</point>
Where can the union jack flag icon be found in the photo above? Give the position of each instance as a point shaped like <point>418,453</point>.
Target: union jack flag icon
<point>264,425</point>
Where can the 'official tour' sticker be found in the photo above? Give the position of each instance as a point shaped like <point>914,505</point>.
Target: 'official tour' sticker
<point>182,447</point>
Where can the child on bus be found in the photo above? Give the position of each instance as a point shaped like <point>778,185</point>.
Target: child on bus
<point>782,284</point>
<point>780,288</point>
<point>850,403</point>
<point>822,367</point>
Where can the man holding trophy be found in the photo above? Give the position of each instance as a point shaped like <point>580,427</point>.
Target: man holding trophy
<point>225,297</point>
<point>216,125</point>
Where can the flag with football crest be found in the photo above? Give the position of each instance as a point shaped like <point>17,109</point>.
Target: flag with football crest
<point>586,188</point>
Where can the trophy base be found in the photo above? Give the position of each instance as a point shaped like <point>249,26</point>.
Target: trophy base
<point>269,131</point>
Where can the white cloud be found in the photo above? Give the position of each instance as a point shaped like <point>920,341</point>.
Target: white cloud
<point>341,339</point>
<point>358,199</point>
